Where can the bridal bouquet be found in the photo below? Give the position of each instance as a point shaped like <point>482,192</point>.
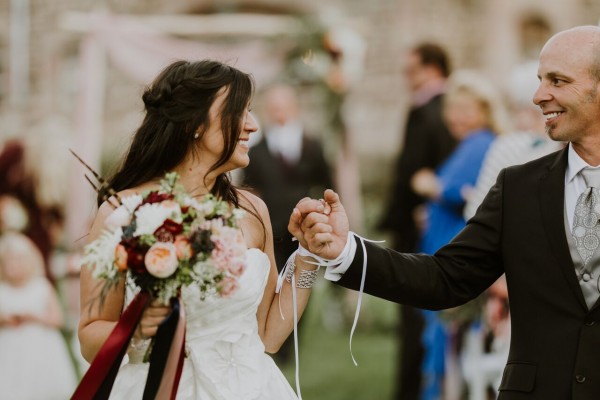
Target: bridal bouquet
<point>167,239</point>
<point>164,240</point>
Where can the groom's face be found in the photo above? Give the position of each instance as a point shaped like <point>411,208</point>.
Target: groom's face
<point>568,93</point>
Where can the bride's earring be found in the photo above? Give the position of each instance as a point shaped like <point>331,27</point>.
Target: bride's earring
<point>196,135</point>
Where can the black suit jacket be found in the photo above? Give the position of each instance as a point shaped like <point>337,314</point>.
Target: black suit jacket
<point>518,230</point>
<point>282,185</point>
<point>427,143</point>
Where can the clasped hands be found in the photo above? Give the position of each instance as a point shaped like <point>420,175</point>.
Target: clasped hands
<point>320,226</point>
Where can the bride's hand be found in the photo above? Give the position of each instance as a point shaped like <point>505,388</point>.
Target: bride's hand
<point>153,315</point>
<point>321,226</point>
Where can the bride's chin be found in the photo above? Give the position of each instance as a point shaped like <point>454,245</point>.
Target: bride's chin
<point>244,164</point>
<point>238,163</point>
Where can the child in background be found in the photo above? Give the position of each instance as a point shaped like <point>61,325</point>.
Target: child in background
<point>486,345</point>
<point>34,361</point>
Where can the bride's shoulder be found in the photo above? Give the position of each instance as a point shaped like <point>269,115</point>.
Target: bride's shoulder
<point>249,200</point>
<point>256,224</point>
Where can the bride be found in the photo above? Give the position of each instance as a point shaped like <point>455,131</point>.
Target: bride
<point>198,123</point>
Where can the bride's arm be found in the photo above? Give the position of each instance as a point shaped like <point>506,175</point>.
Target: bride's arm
<point>98,320</point>
<point>96,323</point>
<point>272,329</point>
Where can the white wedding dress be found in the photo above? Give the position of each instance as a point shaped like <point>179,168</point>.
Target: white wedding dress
<point>34,359</point>
<point>226,358</point>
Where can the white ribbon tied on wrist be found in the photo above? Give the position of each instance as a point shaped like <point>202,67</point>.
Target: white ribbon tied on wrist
<point>341,262</point>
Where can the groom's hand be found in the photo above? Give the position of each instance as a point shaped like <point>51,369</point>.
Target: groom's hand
<point>321,226</point>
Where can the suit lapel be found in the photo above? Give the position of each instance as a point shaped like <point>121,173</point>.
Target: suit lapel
<point>551,194</point>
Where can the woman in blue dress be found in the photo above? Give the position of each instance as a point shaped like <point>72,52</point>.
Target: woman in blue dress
<point>474,115</point>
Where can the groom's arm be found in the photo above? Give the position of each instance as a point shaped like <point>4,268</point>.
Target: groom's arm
<point>420,280</point>
<point>456,274</point>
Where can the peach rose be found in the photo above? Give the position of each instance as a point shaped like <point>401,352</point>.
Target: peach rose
<point>121,257</point>
<point>161,259</point>
<point>183,247</point>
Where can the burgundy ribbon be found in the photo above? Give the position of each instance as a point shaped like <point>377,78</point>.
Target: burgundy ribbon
<point>166,359</point>
<point>99,378</point>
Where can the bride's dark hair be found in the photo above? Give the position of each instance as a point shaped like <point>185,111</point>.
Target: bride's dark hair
<point>177,105</point>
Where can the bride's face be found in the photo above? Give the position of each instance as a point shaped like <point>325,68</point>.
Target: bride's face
<point>212,144</point>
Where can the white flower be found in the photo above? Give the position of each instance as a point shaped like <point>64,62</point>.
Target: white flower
<point>121,216</point>
<point>238,213</point>
<point>100,254</point>
<point>131,202</point>
<point>149,217</point>
<point>190,202</point>
<point>206,207</point>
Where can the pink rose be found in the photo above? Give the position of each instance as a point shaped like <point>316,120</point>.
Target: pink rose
<point>161,259</point>
<point>228,286</point>
<point>183,248</point>
<point>236,266</point>
<point>229,246</point>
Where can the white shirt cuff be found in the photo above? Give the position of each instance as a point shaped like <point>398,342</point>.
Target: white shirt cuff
<point>335,272</point>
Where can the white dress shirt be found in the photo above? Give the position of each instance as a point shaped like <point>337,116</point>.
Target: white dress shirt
<point>286,140</point>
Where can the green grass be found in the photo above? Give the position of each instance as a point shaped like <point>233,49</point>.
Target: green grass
<point>326,368</point>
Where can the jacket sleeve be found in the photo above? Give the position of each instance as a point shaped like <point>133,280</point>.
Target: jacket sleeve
<point>457,273</point>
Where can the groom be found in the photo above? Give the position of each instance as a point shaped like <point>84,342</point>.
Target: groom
<point>523,228</point>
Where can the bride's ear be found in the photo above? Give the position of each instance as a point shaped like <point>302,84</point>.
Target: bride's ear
<point>199,132</point>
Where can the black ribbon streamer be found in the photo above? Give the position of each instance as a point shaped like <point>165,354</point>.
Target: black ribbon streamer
<point>160,350</point>
<point>100,376</point>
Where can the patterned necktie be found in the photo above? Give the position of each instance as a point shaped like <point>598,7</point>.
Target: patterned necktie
<point>586,229</point>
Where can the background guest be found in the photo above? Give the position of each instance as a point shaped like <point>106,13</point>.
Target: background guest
<point>287,164</point>
<point>426,143</point>
<point>474,115</point>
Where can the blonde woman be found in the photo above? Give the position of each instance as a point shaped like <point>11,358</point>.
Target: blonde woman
<point>474,116</point>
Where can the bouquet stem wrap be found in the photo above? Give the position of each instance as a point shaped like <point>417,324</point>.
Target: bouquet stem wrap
<point>166,360</point>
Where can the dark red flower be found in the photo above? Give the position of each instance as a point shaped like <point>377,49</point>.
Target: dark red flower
<point>135,255</point>
<point>168,230</point>
<point>155,197</point>
<point>163,235</point>
<point>172,226</point>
